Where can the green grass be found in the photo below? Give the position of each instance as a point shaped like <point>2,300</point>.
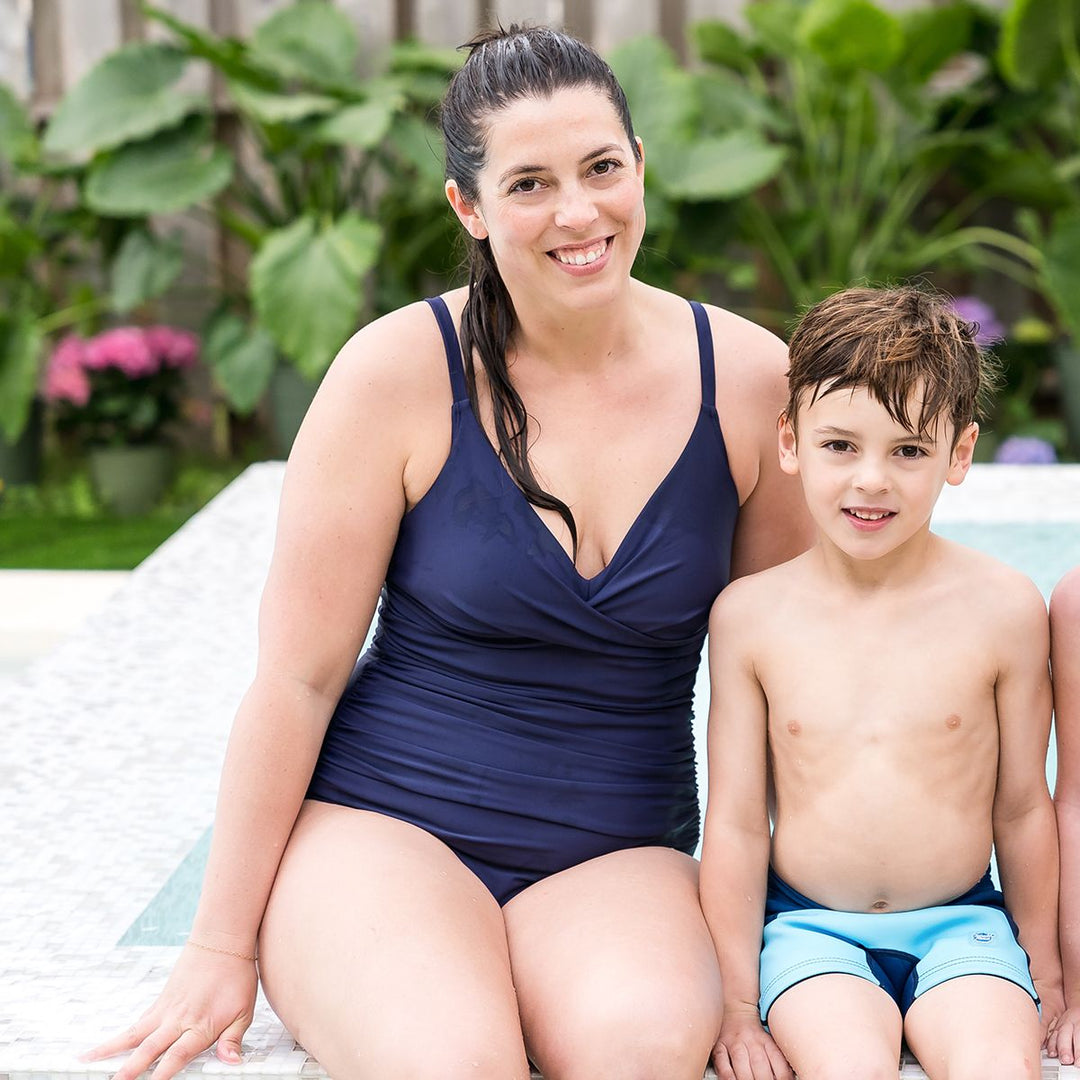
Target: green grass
<point>59,525</point>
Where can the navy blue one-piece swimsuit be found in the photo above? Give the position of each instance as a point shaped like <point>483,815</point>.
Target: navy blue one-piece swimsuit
<point>529,717</point>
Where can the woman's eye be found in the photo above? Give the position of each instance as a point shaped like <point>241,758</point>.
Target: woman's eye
<point>606,167</point>
<point>526,185</point>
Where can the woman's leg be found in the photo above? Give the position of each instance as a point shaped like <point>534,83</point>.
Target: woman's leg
<point>385,956</point>
<point>615,969</point>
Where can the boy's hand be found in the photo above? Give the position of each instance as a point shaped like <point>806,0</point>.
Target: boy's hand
<point>1063,1038</point>
<point>746,1051</point>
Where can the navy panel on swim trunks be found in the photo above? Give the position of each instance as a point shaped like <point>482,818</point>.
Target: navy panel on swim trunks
<point>529,717</point>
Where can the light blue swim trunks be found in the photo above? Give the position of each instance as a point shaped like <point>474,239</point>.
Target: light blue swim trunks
<point>906,953</point>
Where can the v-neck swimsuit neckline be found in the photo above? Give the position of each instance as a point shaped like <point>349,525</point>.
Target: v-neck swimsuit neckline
<point>706,416</point>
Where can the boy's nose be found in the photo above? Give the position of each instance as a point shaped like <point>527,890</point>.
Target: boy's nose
<point>576,209</point>
<point>872,476</point>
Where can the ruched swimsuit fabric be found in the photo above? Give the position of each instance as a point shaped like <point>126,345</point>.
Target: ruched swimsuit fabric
<point>527,716</point>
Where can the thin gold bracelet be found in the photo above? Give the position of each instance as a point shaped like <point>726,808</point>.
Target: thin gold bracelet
<point>224,952</point>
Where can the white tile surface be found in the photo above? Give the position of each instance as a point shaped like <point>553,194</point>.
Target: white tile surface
<point>110,748</point>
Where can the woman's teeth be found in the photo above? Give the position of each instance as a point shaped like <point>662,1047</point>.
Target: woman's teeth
<point>580,258</point>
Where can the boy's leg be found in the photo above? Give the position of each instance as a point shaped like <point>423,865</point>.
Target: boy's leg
<point>840,1026</point>
<point>973,1027</point>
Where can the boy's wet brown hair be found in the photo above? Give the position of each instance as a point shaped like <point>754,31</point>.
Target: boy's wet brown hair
<point>893,341</point>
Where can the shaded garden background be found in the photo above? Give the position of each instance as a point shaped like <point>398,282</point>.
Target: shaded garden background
<point>268,175</point>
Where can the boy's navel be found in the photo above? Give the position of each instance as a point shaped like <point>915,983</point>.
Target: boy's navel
<point>952,721</point>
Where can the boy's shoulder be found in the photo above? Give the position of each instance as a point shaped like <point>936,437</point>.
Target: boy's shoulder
<point>760,593</point>
<point>995,591</point>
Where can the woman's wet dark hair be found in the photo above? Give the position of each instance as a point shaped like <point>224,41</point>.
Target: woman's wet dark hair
<point>503,66</point>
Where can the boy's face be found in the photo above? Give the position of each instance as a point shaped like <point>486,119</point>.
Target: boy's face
<point>870,484</point>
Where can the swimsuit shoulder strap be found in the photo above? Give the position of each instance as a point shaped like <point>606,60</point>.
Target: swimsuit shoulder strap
<point>452,347</point>
<point>705,354</point>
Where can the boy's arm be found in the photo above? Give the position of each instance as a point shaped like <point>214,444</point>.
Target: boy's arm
<point>1025,831</point>
<point>735,852</point>
<point>1065,663</point>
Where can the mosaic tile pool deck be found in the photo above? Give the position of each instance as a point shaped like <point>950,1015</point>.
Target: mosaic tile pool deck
<point>110,748</point>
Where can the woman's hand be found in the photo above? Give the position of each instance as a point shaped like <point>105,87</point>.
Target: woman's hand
<point>746,1051</point>
<point>209,996</point>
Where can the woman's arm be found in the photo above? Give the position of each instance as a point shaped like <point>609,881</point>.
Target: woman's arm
<point>344,495</point>
<point>751,393</point>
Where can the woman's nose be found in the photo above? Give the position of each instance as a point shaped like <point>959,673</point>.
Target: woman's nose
<point>576,209</point>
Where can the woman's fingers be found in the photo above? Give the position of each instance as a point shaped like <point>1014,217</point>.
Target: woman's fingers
<point>229,1041</point>
<point>118,1044</point>
<point>185,1049</point>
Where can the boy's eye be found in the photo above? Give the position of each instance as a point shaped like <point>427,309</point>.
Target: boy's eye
<point>911,453</point>
<point>838,446</point>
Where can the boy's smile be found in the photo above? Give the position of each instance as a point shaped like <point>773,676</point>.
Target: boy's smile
<point>870,484</point>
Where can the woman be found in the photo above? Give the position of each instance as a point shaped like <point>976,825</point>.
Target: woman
<point>479,848</point>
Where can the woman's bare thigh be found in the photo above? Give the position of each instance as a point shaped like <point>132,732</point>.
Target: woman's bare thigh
<point>615,968</point>
<point>385,956</point>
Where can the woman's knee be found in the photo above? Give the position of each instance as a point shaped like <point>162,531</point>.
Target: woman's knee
<point>640,1039</point>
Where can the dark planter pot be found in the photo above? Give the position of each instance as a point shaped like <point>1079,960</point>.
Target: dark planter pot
<point>130,480</point>
<point>290,395</point>
<point>20,462</point>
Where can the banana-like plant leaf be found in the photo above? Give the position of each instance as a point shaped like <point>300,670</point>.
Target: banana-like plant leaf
<point>851,35</point>
<point>129,95</point>
<point>933,35</point>
<point>21,344</point>
<point>241,358</point>
<point>307,285</point>
<point>661,95</point>
<point>1030,49</point>
<point>168,172</point>
<point>309,40</point>
<point>421,145</point>
<point>721,167</point>
<point>1062,268</point>
<point>273,108</point>
<point>17,139</point>
<point>721,44</point>
<point>144,267</point>
<point>363,126</point>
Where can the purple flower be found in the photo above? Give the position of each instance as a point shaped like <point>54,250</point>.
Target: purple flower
<point>124,348</point>
<point>65,377</point>
<point>173,348</point>
<point>1025,450</point>
<point>973,310</point>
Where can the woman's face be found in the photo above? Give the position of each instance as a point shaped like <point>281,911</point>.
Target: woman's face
<point>561,198</point>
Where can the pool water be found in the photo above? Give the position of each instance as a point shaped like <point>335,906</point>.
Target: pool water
<point>1042,550</point>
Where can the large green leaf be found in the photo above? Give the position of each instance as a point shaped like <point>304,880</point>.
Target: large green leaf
<point>775,24</point>
<point>306,281</point>
<point>662,97</point>
<point>17,139</point>
<point>131,94</point>
<point>363,126</point>
<point>21,344</point>
<point>851,35</point>
<point>144,267</point>
<point>721,167</point>
<point>273,108</point>
<point>169,172</point>
<point>311,40</point>
<point>933,35</point>
<point>1062,268</point>
<point>420,145</point>
<point>721,44</point>
<point>242,360</point>
<point>1030,53</point>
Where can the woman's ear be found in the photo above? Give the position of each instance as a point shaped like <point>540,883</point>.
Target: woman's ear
<point>787,444</point>
<point>468,214</point>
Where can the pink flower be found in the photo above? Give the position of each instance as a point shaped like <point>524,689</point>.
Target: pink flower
<point>174,348</point>
<point>65,378</point>
<point>125,349</point>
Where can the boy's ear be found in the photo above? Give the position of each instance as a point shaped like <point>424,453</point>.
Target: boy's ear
<point>468,214</point>
<point>962,454</point>
<point>787,445</point>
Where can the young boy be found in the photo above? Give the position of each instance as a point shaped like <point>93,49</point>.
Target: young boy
<point>1064,1038</point>
<point>884,699</point>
